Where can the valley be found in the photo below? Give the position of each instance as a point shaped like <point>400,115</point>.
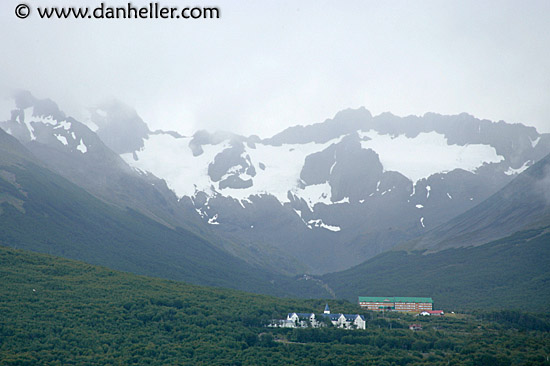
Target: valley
<point>217,236</point>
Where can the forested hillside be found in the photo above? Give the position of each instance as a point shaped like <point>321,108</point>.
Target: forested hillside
<point>508,273</point>
<point>60,312</point>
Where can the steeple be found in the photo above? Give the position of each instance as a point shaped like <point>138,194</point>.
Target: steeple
<point>327,310</point>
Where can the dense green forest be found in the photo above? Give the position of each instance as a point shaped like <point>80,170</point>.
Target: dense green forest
<point>508,273</point>
<point>61,312</point>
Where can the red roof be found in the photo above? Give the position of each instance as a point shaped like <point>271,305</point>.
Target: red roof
<point>435,312</point>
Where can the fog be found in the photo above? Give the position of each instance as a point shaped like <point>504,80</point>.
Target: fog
<point>266,65</point>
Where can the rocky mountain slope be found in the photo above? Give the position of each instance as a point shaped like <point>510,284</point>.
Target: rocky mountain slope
<point>522,204</point>
<point>43,212</point>
<point>77,152</point>
<point>345,189</point>
<point>461,260</point>
<point>316,199</point>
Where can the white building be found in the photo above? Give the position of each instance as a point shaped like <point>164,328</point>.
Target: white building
<point>347,321</point>
<point>305,320</point>
<point>302,320</point>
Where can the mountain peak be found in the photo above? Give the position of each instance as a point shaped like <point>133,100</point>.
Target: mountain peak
<point>118,125</point>
<point>353,182</point>
<point>355,113</point>
<point>343,123</point>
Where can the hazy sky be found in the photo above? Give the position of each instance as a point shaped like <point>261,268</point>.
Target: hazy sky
<point>266,65</point>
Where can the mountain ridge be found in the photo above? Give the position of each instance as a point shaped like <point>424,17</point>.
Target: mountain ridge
<point>355,184</point>
<point>53,138</point>
<point>333,184</point>
<point>497,250</point>
<point>523,203</point>
<point>44,212</point>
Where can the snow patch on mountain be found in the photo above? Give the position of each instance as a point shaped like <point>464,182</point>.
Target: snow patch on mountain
<point>345,200</point>
<point>172,159</point>
<point>62,139</point>
<point>82,147</point>
<point>28,114</point>
<point>213,220</point>
<point>61,129</point>
<point>62,124</point>
<point>31,116</point>
<point>313,194</point>
<point>512,171</point>
<point>30,119</point>
<point>426,154</point>
<point>534,142</point>
<point>283,165</point>
<point>318,223</point>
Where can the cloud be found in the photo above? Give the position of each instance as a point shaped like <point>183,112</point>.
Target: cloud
<point>267,65</point>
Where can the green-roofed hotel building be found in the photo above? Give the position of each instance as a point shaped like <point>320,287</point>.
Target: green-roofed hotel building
<point>408,304</point>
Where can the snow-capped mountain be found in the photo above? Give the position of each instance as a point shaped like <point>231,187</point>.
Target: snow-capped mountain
<point>325,196</point>
<point>44,123</point>
<point>54,139</point>
<point>338,192</point>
